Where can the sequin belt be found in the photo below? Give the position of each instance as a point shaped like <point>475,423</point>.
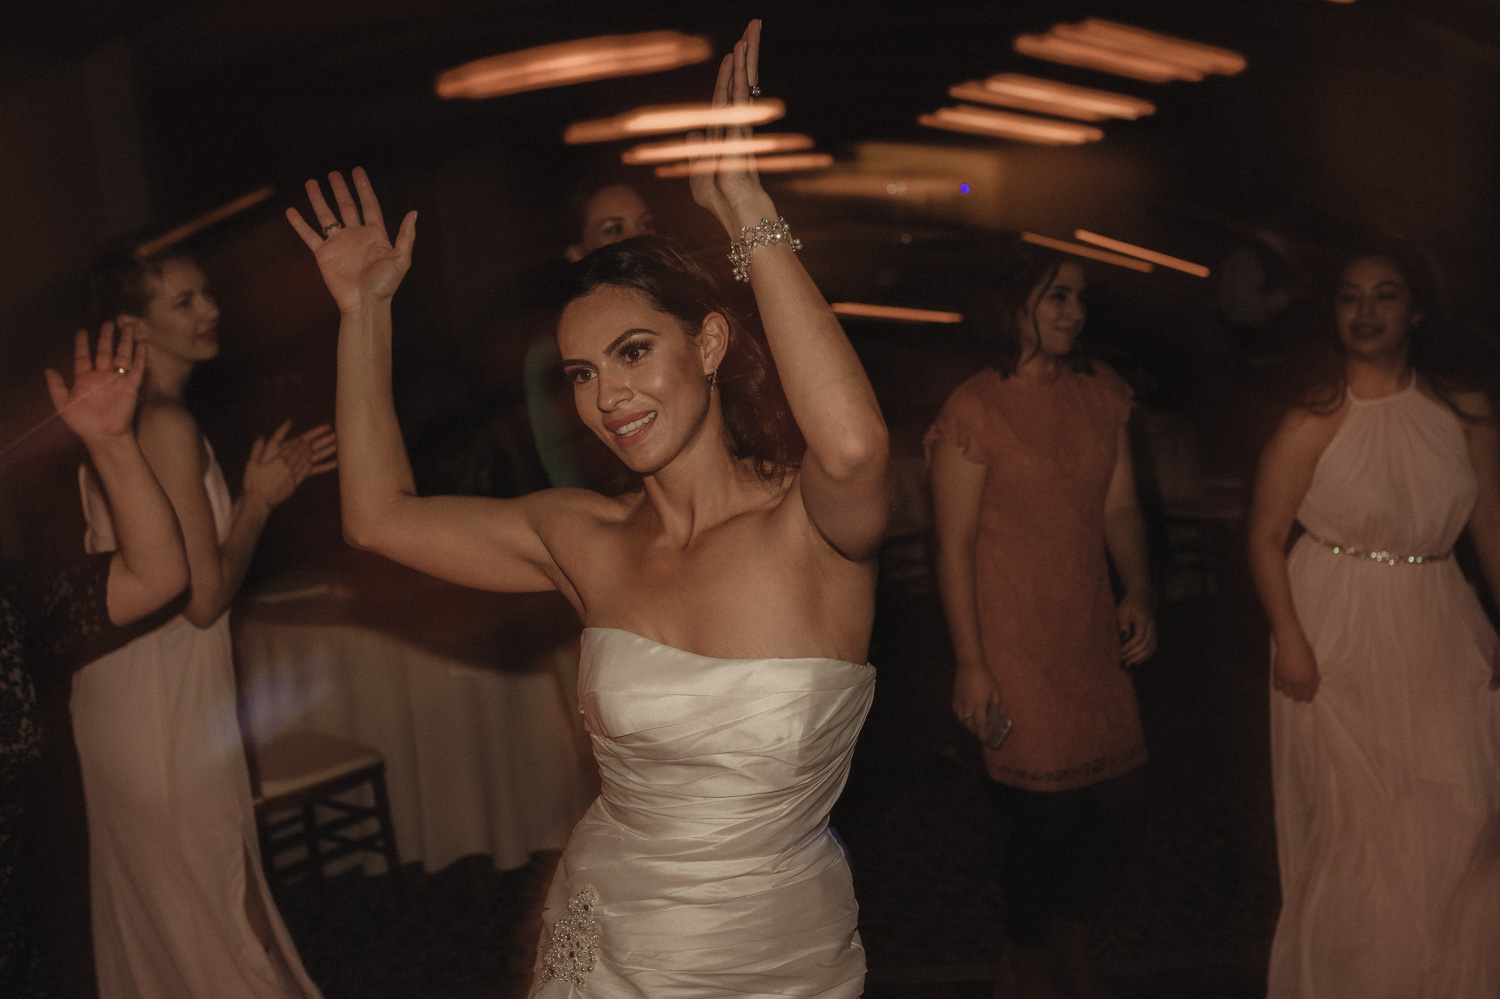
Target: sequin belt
<point>1389,558</point>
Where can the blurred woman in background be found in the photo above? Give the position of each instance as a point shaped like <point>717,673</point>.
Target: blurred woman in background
<point>180,905</point>
<point>1386,731</point>
<point>1033,496</point>
<point>48,617</point>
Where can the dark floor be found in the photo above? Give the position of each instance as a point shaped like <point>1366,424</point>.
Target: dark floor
<point>1192,916</point>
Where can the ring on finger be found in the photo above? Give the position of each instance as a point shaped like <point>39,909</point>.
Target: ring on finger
<point>331,228</point>
<point>121,371</point>
<point>754,90</point>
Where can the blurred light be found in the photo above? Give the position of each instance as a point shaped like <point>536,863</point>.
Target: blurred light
<point>1008,125</point>
<point>963,189</point>
<point>849,184</point>
<point>1089,57</point>
<point>681,149</point>
<point>1129,51</point>
<point>785,163</point>
<point>202,222</point>
<point>1176,263</point>
<point>1119,260</point>
<point>1153,44</point>
<point>599,58</point>
<point>672,118</point>
<point>895,312</point>
<point>1030,93</point>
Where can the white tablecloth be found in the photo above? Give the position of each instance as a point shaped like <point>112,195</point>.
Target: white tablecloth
<point>481,756</point>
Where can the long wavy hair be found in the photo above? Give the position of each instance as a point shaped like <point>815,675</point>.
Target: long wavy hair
<point>758,423</point>
<point>1027,269</point>
<point>1439,349</point>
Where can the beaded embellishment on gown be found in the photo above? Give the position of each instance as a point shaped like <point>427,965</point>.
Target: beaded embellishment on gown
<point>706,867</point>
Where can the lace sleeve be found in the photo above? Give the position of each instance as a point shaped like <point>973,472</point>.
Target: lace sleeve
<point>75,607</point>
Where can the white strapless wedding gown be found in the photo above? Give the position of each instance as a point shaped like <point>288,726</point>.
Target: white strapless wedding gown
<point>706,867</point>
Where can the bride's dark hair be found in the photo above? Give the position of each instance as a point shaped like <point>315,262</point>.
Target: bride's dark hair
<point>757,419</point>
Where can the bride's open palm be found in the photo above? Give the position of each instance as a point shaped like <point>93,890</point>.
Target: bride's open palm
<point>354,252</point>
<point>727,183</point>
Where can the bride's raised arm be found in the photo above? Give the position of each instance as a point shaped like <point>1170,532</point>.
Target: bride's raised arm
<point>843,478</point>
<point>486,543</point>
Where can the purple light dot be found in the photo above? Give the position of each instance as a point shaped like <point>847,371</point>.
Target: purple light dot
<point>963,188</point>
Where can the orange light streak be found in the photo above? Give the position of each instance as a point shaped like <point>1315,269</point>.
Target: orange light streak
<point>680,149</point>
<point>785,163</point>
<point>600,58</point>
<point>1072,53</point>
<point>844,184</point>
<point>1153,44</point>
<point>662,118</point>
<point>1030,93</point>
<point>1008,125</point>
<point>1176,263</point>
<point>1078,250</point>
<point>897,313</point>
<point>202,222</point>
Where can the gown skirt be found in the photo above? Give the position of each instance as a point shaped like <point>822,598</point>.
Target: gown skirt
<point>706,867</point>
<point>173,848</point>
<point>1387,783</point>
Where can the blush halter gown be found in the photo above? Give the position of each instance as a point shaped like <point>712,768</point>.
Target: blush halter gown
<point>1388,782</point>
<point>706,867</point>
<point>172,841</point>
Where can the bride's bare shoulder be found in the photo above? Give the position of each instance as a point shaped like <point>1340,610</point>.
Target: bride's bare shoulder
<point>574,509</point>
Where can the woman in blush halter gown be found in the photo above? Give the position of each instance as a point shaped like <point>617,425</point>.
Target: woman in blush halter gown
<point>1385,726</point>
<point>727,593</point>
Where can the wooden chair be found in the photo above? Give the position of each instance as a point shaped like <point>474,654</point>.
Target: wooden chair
<point>295,776</point>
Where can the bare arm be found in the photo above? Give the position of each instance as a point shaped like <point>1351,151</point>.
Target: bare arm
<point>1285,474</point>
<point>843,479</point>
<point>174,447</point>
<point>1125,537</point>
<point>485,543</point>
<point>957,488</point>
<point>150,567</point>
<point>1484,522</point>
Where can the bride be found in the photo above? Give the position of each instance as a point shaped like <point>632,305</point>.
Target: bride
<point>727,599</point>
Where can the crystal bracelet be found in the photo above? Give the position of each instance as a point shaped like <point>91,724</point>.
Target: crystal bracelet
<point>768,233</point>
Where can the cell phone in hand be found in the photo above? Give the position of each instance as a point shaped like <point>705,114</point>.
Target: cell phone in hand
<point>996,727</point>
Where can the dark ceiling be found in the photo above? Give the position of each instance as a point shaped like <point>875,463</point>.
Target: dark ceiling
<point>239,93</point>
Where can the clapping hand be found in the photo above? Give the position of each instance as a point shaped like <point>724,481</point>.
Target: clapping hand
<point>728,185</point>
<point>101,403</point>
<point>278,466</point>
<point>359,263</point>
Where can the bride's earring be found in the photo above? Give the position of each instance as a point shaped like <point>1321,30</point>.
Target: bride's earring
<point>713,380</point>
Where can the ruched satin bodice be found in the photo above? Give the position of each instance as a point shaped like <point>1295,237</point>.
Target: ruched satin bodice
<point>707,856</point>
